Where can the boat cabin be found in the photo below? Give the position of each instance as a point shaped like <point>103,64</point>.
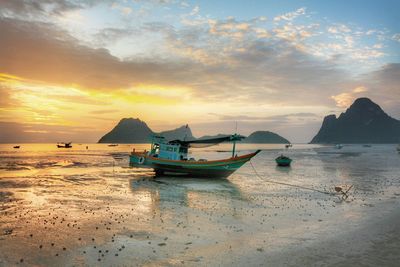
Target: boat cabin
<point>172,150</point>
<point>178,149</point>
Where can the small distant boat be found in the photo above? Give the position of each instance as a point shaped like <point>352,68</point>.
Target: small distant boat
<point>338,146</point>
<point>367,145</point>
<point>288,145</point>
<point>113,145</point>
<point>16,146</point>
<point>170,158</point>
<point>64,145</point>
<point>283,161</point>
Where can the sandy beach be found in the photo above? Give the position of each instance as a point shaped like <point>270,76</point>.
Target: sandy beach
<point>87,208</point>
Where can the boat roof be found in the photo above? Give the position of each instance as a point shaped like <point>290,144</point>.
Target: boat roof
<point>208,142</point>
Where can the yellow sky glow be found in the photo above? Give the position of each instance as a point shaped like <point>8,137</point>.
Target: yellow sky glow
<point>49,104</point>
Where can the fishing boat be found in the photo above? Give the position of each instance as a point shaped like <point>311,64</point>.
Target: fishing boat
<point>283,161</point>
<point>170,158</point>
<point>16,146</point>
<point>64,145</point>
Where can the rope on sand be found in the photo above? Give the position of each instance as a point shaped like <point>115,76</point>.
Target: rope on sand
<point>293,185</point>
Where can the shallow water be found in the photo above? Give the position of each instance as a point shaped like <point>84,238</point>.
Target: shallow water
<point>83,206</point>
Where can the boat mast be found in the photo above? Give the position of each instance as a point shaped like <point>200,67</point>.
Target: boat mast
<point>233,149</point>
<point>234,141</point>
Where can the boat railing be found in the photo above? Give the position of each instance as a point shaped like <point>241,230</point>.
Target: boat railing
<point>144,151</point>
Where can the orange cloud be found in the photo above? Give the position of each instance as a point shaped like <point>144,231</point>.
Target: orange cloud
<point>360,89</point>
<point>344,100</point>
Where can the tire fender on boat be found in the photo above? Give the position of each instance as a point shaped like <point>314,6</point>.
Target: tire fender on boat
<point>141,160</point>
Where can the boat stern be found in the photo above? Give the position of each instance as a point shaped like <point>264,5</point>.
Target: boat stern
<point>138,159</point>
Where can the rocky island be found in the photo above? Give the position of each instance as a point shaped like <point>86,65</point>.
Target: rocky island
<point>363,122</point>
<point>130,130</point>
<point>265,137</point>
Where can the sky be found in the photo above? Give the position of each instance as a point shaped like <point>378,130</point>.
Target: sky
<point>70,70</point>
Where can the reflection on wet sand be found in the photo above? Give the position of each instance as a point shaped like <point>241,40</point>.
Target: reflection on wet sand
<point>159,194</point>
<point>285,169</point>
<point>359,167</point>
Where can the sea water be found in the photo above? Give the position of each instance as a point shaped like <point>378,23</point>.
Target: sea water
<point>85,206</point>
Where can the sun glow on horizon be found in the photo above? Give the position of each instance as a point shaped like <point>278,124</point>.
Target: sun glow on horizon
<point>49,104</point>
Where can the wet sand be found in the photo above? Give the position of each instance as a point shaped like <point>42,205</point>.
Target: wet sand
<point>373,243</point>
<point>79,208</point>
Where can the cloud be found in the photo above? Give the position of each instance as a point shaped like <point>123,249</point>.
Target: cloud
<point>396,37</point>
<point>381,85</point>
<point>348,46</point>
<point>123,9</point>
<point>291,15</point>
<point>344,100</point>
<point>111,35</point>
<point>32,8</point>
<point>349,41</point>
<point>104,111</point>
<point>360,89</point>
<point>294,33</point>
<point>41,51</point>
<point>195,11</point>
<point>229,28</point>
<point>339,28</point>
<point>6,99</point>
<point>250,65</point>
<point>10,132</point>
<point>184,4</point>
<point>283,117</point>
<point>384,86</point>
<point>13,132</point>
<point>297,127</point>
<point>212,59</point>
<point>294,132</point>
<point>228,60</point>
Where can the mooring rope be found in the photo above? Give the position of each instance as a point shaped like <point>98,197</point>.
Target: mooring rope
<point>292,185</point>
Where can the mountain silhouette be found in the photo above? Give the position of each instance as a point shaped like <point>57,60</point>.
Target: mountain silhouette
<point>363,122</point>
<point>182,133</point>
<point>265,137</point>
<point>130,130</point>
